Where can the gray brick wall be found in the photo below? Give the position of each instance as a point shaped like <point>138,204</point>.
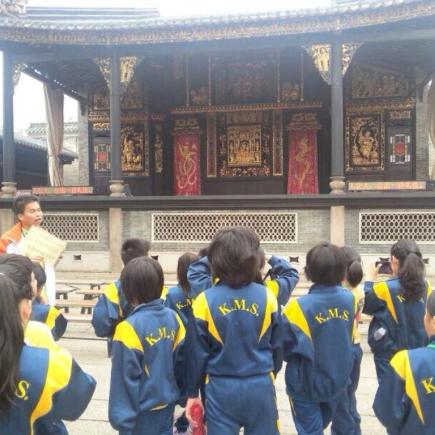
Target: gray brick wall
<point>352,237</point>
<point>313,227</point>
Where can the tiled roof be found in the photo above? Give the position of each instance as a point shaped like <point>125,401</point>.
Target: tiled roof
<point>123,19</point>
<point>40,128</point>
<point>21,142</point>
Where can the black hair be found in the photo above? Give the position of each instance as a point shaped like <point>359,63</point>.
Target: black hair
<point>234,256</point>
<point>19,269</point>
<point>354,270</point>
<point>40,275</point>
<point>11,341</point>
<point>21,201</point>
<point>203,252</point>
<point>183,266</point>
<point>430,304</point>
<point>134,248</point>
<point>325,264</point>
<point>411,269</point>
<point>142,280</point>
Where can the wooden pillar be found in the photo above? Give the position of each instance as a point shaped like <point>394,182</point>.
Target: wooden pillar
<point>116,182</point>
<point>9,185</point>
<point>337,183</point>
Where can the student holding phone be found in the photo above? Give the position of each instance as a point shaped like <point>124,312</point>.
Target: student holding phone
<point>397,305</point>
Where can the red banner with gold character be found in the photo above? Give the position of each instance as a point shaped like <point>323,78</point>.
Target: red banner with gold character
<point>302,162</point>
<point>187,179</point>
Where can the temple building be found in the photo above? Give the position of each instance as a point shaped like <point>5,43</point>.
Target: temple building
<point>304,124</point>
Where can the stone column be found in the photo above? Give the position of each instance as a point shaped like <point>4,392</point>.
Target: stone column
<point>115,239</point>
<point>338,225</point>
<point>116,182</point>
<point>337,183</point>
<point>9,185</point>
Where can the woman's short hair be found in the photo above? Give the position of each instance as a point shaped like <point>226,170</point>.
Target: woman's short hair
<point>134,248</point>
<point>234,256</point>
<point>142,280</point>
<point>325,264</point>
<point>183,266</point>
<point>19,269</point>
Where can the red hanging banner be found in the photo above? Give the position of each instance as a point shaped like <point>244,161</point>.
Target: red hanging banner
<point>187,179</point>
<point>302,160</point>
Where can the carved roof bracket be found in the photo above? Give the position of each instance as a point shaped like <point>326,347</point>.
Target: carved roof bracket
<point>13,8</point>
<point>104,65</point>
<point>321,55</point>
<point>18,69</point>
<point>349,50</point>
<point>127,67</point>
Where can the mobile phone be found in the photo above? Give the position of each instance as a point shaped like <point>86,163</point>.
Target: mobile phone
<point>385,268</point>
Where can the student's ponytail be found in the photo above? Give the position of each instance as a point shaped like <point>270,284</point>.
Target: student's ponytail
<point>354,270</point>
<point>354,273</point>
<point>411,271</point>
<point>11,342</point>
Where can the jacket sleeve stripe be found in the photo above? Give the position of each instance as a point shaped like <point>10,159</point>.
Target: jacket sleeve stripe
<point>112,295</point>
<point>271,307</point>
<point>201,311</point>
<point>52,315</point>
<point>273,286</point>
<point>382,292</point>
<point>294,314</point>
<point>181,334</point>
<point>126,334</point>
<point>57,378</point>
<point>402,367</point>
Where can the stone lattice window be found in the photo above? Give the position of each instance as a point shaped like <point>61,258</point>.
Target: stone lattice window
<point>72,227</point>
<point>387,227</point>
<point>271,227</point>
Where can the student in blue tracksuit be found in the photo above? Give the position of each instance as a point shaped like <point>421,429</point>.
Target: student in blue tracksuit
<point>147,355</point>
<point>346,420</point>
<point>317,341</point>
<point>405,400</point>
<point>112,307</point>
<point>284,276</point>
<point>37,386</point>
<point>234,341</point>
<point>179,298</point>
<point>45,313</point>
<point>397,305</point>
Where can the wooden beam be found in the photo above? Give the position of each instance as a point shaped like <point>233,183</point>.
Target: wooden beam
<point>38,75</point>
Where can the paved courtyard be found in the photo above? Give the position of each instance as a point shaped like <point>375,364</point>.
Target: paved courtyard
<point>92,355</point>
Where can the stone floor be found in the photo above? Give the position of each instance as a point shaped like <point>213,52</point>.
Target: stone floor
<point>91,354</point>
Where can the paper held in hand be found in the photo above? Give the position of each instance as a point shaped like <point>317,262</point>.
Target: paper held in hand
<point>40,243</point>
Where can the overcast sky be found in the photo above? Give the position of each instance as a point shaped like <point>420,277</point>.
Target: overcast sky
<point>29,98</point>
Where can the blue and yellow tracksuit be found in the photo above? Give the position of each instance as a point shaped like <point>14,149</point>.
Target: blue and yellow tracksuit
<point>396,325</point>
<point>51,316</point>
<point>405,400</point>
<point>177,300</point>
<point>234,340</point>
<point>317,345</point>
<point>110,309</point>
<point>282,285</point>
<point>146,370</point>
<point>346,420</point>
<point>51,387</point>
